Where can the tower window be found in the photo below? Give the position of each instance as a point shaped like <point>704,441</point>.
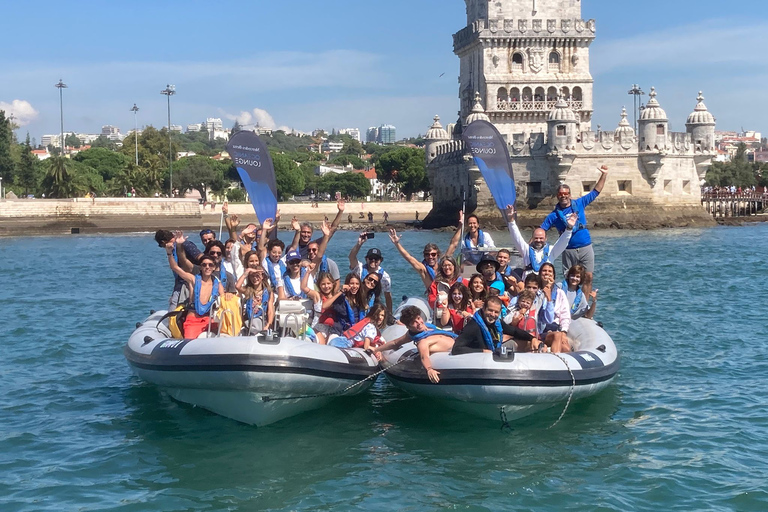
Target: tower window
<point>534,188</point>
<point>625,186</point>
<point>561,130</point>
<point>659,129</point>
<point>517,61</point>
<point>554,61</point>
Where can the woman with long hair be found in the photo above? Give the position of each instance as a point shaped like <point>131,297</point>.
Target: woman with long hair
<point>577,301</point>
<point>477,291</point>
<point>366,333</point>
<point>458,310</point>
<point>258,299</point>
<point>447,274</point>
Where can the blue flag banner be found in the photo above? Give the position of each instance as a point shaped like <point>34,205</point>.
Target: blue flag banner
<point>251,157</point>
<point>492,157</point>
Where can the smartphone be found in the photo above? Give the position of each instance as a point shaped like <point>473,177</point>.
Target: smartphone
<point>370,235</point>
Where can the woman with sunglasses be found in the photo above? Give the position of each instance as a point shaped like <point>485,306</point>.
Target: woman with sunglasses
<point>371,290</point>
<point>258,300</point>
<point>447,274</point>
<point>427,268</point>
<point>347,307</point>
<point>205,288</point>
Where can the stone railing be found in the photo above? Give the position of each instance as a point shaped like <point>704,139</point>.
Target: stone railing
<point>535,106</point>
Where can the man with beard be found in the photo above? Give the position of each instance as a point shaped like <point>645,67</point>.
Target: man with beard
<point>485,331</point>
<point>537,251</point>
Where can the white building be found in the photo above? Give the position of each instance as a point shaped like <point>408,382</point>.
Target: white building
<point>213,123</point>
<point>177,128</point>
<point>352,132</point>
<point>322,170</point>
<point>372,135</point>
<point>194,127</point>
<point>332,147</point>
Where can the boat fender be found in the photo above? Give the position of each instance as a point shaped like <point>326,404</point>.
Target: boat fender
<point>147,339</point>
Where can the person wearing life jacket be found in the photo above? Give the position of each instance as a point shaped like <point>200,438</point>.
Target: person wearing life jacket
<point>579,305</point>
<point>370,289</point>
<point>322,263</point>
<point>162,237</point>
<point>304,230</point>
<point>297,280</point>
<point>489,268</point>
<point>447,274</point>
<point>205,289</point>
<point>344,308</point>
<point>372,264</point>
<point>273,261</point>
<point>556,314</point>
<point>458,309</point>
<point>327,318</point>
<point>475,242</point>
<point>537,250</point>
<point>426,268</point>
<point>579,250</point>
<point>258,300</point>
<point>366,333</point>
<point>214,249</point>
<point>485,331</point>
<point>523,316</point>
<point>427,337</point>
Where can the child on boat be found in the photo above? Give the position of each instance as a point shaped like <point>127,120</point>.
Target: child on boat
<point>366,333</point>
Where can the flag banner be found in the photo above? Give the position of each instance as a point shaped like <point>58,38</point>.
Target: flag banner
<point>251,157</point>
<point>492,157</point>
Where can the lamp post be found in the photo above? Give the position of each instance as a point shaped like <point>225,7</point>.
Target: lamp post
<point>636,91</point>
<point>61,86</point>
<point>169,91</point>
<point>1,187</point>
<point>135,109</point>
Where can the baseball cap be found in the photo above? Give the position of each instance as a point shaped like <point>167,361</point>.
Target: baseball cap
<point>374,253</point>
<point>293,255</point>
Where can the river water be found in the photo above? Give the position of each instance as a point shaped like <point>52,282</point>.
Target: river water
<point>684,427</point>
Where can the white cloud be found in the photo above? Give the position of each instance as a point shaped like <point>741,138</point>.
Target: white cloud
<point>701,45</point>
<point>257,116</point>
<point>22,110</point>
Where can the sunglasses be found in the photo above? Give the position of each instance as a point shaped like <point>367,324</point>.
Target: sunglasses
<point>433,254</point>
<point>206,232</point>
<point>371,279</point>
<point>294,262</point>
<point>563,194</point>
<point>312,250</point>
<point>207,265</point>
<point>214,253</point>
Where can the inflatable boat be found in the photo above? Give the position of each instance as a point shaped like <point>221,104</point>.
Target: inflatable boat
<point>257,379</point>
<point>510,386</point>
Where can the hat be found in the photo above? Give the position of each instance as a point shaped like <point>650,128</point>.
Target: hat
<point>488,259</point>
<point>374,253</point>
<point>293,255</point>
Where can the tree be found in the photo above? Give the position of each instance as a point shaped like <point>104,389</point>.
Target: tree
<point>235,195</point>
<point>60,179</point>
<point>738,172</point>
<point>351,147</point>
<point>28,172</point>
<point>107,163</point>
<point>344,160</point>
<point>290,180</point>
<point>7,165</point>
<point>71,141</point>
<point>310,178</point>
<point>102,141</point>
<point>199,173</point>
<point>235,128</point>
<point>406,167</point>
<point>352,184</point>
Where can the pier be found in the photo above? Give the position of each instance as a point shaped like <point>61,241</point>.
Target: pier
<point>726,204</point>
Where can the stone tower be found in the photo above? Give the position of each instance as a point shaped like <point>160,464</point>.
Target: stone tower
<point>520,55</point>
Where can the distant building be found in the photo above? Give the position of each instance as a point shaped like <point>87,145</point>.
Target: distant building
<point>50,140</point>
<point>213,123</point>
<point>218,134</point>
<point>322,170</point>
<point>177,128</point>
<point>372,135</point>
<point>194,127</point>
<point>41,154</point>
<point>387,134</point>
<point>332,147</point>
<point>352,132</point>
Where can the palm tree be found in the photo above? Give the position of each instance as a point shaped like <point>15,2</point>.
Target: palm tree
<point>59,181</point>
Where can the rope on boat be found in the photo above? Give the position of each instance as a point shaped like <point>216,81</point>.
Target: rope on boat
<point>336,393</point>
<point>570,391</point>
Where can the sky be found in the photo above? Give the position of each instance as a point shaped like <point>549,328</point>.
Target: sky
<point>301,64</point>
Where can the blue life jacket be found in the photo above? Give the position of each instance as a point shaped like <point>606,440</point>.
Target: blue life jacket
<point>271,270</point>
<point>491,342</point>
<point>579,294</point>
<point>200,308</point>
<point>480,240</point>
<point>289,291</point>
<point>430,270</point>
<point>352,316</point>
<point>323,264</point>
<point>534,265</point>
<point>432,330</point>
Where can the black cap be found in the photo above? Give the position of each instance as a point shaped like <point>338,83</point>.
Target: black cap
<point>488,259</point>
<point>374,253</point>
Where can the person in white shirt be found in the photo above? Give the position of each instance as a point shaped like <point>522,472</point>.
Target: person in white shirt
<point>372,264</point>
<point>537,251</point>
<point>475,242</point>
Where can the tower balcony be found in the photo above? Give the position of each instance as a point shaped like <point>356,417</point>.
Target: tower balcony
<point>516,105</point>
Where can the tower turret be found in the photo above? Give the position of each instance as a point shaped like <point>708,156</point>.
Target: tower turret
<point>478,112</point>
<point>434,137</point>
<point>561,137</point>
<point>701,126</point>
<point>653,125</point>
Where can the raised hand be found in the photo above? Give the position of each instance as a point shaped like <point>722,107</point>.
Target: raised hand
<point>267,225</point>
<point>593,294</point>
<point>180,238</point>
<point>225,208</point>
<point>277,218</point>
<point>510,213</point>
<point>345,288</point>
<point>362,238</point>
<point>234,221</point>
<point>461,217</point>
<point>325,228</point>
<point>603,169</point>
<point>394,236</point>
<point>572,219</point>
<point>295,224</point>
<point>340,204</point>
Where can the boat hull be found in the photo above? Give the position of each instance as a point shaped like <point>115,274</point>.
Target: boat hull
<point>255,380</point>
<point>518,385</point>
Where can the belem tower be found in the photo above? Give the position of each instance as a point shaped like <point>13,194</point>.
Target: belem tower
<point>524,66</point>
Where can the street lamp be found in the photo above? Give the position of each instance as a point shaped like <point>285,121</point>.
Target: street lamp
<point>135,109</point>
<point>636,91</point>
<point>1,187</point>
<point>61,86</point>
<point>169,91</point>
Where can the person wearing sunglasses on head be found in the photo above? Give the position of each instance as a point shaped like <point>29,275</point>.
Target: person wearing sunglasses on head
<point>372,265</point>
<point>205,288</point>
<point>579,250</point>
<point>427,268</point>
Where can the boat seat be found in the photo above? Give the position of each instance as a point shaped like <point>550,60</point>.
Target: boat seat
<point>292,318</point>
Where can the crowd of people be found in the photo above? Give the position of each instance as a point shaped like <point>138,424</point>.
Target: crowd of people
<point>497,308</point>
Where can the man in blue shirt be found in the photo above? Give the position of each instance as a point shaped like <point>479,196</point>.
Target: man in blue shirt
<point>579,249</point>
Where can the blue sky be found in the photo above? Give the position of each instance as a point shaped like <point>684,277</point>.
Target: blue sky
<point>339,63</point>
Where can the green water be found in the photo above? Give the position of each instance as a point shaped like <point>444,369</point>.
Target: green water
<point>683,427</point>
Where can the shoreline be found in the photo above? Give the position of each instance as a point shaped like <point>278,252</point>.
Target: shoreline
<point>122,215</point>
